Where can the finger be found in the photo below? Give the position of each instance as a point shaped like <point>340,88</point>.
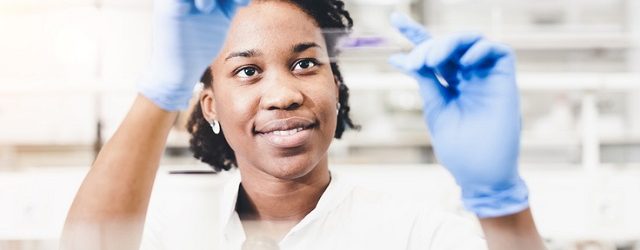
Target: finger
<point>431,89</point>
<point>416,58</point>
<point>415,61</point>
<point>205,6</point>
<point>399,61</point>
<point>411,29</point>
<point>450,49</point>
<point>444,54</point>
<point>483,52</point>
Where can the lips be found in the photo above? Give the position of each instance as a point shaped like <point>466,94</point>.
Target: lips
<point>285,125</point>
<point>286,133</point>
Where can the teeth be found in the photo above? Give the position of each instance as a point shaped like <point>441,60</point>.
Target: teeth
<point>287,132</point>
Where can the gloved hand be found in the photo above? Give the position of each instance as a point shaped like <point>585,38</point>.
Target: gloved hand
<point>187,36</point>
<point>474,121</point>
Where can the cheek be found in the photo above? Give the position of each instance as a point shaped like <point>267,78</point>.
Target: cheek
<point>324,99</point>
<point>236,111</point>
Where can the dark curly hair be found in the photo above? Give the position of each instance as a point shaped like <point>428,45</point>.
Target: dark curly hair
<point>214,150</point>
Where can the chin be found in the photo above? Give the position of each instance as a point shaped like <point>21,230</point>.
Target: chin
<point>290,168</point>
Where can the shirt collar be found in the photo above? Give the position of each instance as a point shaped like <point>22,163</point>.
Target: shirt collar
<point>229,198</point>
<point>335,193</point>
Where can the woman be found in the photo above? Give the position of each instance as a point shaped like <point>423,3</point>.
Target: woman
<point>273,101</point>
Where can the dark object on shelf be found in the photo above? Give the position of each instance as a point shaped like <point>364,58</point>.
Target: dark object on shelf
<point>198,172</point>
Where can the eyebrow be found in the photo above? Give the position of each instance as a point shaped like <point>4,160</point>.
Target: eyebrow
<point>304,46</point>
<point>298,48</point>
<point>246,53</point>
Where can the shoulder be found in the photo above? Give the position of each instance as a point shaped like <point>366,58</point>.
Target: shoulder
<point>184,211</point>
<point>427,225</point>
<point>388,201</point>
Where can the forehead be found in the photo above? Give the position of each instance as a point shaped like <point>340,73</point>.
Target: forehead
<point>271,23</point>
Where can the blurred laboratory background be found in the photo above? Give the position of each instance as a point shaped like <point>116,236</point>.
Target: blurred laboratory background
<point>68,70</point>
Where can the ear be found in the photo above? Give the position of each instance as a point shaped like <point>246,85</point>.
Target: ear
<point>207,102</point>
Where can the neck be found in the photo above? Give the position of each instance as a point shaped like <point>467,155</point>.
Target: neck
<point>263,197</point>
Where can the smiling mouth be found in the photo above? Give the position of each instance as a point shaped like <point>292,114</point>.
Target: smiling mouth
<point>286,133</point>
<point>288,126</point>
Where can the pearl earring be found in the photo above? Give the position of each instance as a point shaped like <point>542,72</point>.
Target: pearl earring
<point>215,126</point>
<point>338,108</point>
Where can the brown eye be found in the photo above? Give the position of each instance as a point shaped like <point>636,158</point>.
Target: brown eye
<point>304,65</point>
<point>247,72</point>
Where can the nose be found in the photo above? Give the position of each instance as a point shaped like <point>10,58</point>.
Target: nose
<point>281,93</point>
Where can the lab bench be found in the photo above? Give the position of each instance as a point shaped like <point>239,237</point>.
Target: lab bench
<point>570,205</point>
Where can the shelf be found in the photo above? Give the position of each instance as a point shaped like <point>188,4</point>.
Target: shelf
<point>21,86</point>
<point>27,6</point>
<point>560,40</point>
<point>528,140</point>
<point>567,41</point>
<point>528,81</point>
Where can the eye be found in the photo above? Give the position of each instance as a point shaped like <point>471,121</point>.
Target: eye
<point>247,72</point>
<point>304,64</point>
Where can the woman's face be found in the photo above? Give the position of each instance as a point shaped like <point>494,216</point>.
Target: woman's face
<point>274,93</point>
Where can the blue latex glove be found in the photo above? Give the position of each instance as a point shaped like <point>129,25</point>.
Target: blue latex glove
<point>187,36</point>
<point>474,118</point>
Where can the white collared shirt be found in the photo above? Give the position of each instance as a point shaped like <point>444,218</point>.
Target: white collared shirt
<point>346,217</point>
